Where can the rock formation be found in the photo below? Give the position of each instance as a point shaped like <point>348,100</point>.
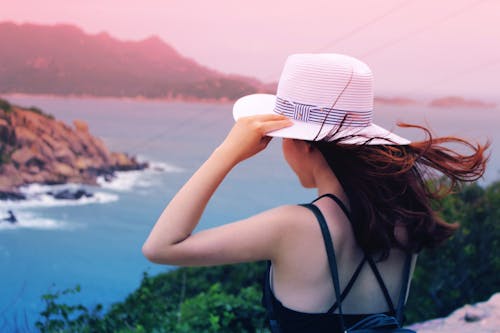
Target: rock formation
<point>36,148</point>
<point>481,317</point>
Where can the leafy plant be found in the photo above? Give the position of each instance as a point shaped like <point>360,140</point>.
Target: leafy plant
<point>61,317</point>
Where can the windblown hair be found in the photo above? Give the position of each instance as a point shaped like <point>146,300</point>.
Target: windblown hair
<point>394,185</point>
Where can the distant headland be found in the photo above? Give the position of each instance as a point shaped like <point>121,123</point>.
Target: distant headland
<point>65,61</point>
<point>456,101</point>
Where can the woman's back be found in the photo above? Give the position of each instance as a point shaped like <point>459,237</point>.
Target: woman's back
<point>301,278</point>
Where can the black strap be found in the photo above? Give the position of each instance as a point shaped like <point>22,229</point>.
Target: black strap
<point>267,299</point>
<point>339,202</point>
<point>268,302</point>
<point>371,262</point>
<point>404,288</point>
<point>332,262</point>
<point>348,286</point>
<point>381,284</point>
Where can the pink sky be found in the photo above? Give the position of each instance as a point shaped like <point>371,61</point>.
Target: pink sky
<point>415,47</point>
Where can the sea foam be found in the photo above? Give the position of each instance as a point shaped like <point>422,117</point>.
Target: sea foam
<point>29,220</point>
<point>128,180</point>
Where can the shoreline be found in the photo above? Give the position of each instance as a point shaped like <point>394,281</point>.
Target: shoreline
<point>122,99</point>
<point>379,100</point>
<point>16,194</point>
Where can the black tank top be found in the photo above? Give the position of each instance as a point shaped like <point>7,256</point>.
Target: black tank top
<point>291,321</point>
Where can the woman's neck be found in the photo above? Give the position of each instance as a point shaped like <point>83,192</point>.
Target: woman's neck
<point>327,182</point>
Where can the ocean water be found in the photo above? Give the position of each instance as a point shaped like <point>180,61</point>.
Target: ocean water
<point>96,242</point>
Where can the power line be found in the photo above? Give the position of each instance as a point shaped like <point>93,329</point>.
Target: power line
<point>364,26</point>
<point>162,133</point>
<point>356,30</point>
<point>472,69</point>
<point>352,32</point>
<point>422,29</point>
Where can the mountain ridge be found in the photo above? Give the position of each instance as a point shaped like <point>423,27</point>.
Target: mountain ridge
<point>62,59</point>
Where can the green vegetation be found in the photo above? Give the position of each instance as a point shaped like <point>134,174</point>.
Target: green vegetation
<point>466,268</point>
<point>5,105</point>
<point>227,298</point>
<point>36,110</point>
<point>8,108</point>
<point>216,299</point>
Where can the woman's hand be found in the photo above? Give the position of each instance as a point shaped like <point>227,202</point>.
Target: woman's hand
<point>248,135</point>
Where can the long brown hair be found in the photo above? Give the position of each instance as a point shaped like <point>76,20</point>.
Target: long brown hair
<point>389,185</point>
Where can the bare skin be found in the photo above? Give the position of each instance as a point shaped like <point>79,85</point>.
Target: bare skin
<point>289,236</point>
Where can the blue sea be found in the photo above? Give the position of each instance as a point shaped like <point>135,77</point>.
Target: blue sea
<point>96,242</point>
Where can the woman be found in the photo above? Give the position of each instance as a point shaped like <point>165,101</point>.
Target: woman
<point>372,194</point>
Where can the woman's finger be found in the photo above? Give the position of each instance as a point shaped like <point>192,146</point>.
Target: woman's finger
<point>274,125</point>
<point>266,117</point>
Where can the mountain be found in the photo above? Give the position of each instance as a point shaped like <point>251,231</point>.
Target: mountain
<point>63,60</point>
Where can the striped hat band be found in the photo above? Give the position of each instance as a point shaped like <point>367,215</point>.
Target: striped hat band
<point>322,115</point>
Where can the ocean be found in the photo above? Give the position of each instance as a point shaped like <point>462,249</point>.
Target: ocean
<point>96,242</point>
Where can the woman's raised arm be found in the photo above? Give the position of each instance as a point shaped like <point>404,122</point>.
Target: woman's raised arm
<point>170,240</point>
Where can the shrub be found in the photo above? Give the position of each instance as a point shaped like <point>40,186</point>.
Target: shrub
<point>5,105</point>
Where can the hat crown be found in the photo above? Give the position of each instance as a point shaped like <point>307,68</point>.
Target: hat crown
<point>321,79</point>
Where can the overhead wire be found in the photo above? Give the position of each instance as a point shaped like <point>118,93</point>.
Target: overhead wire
<point>350,33</point>
<point>482,66</point>
<point>362,27</point>
<point>411,33</point>
<point>357,29</point>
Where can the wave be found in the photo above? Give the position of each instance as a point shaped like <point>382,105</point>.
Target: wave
<point>164,167</point>
<point>28,220</point>
<point>37,196</point>
<point>129,180</point>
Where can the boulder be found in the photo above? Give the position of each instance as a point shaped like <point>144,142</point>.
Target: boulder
<point>81,126</point>
<point>21,156</point>
<point>11,195</point>
<point>62,169</point>
<point>71,195</point>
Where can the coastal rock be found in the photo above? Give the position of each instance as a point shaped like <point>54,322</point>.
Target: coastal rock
<point>481,317</point>
<point>81,126</point>
<point>11,195</point>
<point>70,195</point>
<point>36,148</point>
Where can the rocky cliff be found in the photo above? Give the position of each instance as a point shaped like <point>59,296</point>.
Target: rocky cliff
<point>36,148</point>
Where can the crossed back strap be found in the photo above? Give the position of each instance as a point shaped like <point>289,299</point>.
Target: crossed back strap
<point>333,264</point>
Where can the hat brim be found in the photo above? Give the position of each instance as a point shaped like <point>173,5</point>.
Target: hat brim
<point>256,104</point>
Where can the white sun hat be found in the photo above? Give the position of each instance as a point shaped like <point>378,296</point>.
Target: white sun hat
<point>328,96</point>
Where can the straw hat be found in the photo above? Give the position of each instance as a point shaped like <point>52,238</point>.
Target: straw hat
<point>327,96</point>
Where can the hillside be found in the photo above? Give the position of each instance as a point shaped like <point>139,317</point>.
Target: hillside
<point>463,270</point>
<point>36,148</point>
<point>63,60</point>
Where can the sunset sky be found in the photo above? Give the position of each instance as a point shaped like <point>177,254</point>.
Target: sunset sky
<point>415,47</point>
